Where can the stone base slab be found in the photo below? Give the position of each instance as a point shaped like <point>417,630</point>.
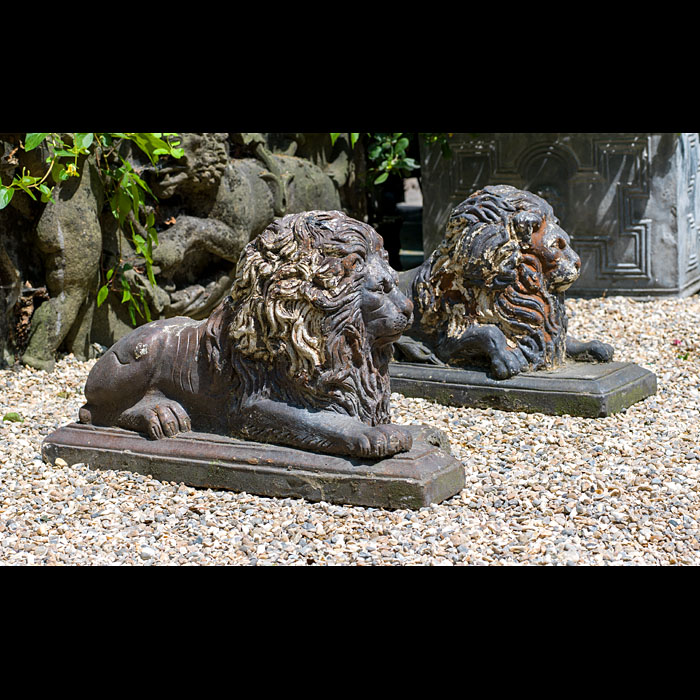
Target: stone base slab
<point>427,474</point>
<point>592,390</point>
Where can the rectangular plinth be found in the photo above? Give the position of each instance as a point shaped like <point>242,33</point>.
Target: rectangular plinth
<point>427,474</point>
<point>577,389</point>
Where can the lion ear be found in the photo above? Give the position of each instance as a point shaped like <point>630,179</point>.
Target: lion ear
<point>525,222</point>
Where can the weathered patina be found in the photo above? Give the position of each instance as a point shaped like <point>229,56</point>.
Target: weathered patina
<point>492,293</point>
<point>297,354</point>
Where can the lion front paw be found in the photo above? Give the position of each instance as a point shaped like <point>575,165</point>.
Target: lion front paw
<point>412,350</point>
<point>167,419</point>
<point>591,351</point>
<point>382,441</point>
<point>602,352</point>
<point>508,363</point>
<point>158,418</point>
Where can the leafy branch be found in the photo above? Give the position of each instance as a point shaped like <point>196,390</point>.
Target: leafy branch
<point>388,153</point>
<point>125,190</point>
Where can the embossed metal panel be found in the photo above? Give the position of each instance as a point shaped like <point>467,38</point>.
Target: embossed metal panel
<point>629,201</point>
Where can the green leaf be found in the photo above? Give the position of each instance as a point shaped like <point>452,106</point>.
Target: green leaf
<point>381,178</point>
<point>63,152</point>
<point>81,141</point>
<point>151,278</point>
<point>5,196</point>
<point>151,144</point>
<point>334,138</point>
<point>143,186</point>
<point>353,139</point>
<point>33,140</point>
<point>123,206</point>
<point>14,417</point>
<point>135,194</point>
<point>58,172</point>
<point>102,294</point>
<point>24,187</point>
<point>46,193</point>
<point>110,273</point>
<point>133,303</point>
<point>146,310</point>
<point>402,144</point>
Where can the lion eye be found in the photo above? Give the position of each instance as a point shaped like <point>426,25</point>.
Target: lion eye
<point>385,286</point>
<point>561,243</point>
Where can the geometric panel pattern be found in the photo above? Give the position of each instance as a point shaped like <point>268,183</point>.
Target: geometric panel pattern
<point>631,202</point>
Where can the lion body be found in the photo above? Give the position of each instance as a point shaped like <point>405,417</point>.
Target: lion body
<point>493,290</point>
<point>303,336</point>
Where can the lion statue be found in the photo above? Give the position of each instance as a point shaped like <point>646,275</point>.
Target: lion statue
<point>217,205</point>
<point>297,353</point>
<point>223,191</point>
<point>493,290</point>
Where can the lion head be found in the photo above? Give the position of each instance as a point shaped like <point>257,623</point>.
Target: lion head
<point>504,260</point>
<point>315,309</point>
<point>200,168</point>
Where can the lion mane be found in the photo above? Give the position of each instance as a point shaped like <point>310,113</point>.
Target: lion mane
<point>292,328</point>
<point>488,270</point>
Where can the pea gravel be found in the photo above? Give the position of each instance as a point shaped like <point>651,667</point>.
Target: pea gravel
<point>547,490</point>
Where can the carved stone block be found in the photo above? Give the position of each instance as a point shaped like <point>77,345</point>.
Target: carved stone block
<point>576,389</point>
<point>426,474</point>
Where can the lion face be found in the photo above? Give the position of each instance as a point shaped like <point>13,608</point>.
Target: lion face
<point>386,311</point>
<point>504,261</point>
<point>200,168</point>
<point>316,303</point>
<point>552,247</point>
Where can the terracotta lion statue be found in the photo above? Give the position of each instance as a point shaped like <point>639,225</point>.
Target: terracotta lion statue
<point>493,290</point>
<point>296,354</point>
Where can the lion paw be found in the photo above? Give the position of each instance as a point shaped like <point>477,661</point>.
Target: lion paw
<point>158,418</point>
<point>602,352</point>
<point>508,363</point>
<point>383,441</point>
<point>167,419</point>
<point>591,351</point>
<point>414,351</point>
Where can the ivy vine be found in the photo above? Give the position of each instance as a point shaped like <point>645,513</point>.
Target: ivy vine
<point>125,190</point>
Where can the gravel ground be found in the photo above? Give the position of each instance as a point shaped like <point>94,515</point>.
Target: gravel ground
<point>540,489</point>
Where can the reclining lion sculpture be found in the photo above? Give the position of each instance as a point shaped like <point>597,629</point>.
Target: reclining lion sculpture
<point>297,354</point>
<point>493,290</point>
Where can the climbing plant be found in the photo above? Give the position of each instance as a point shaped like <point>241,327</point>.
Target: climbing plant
<point>388,153</point>
<point>125,190</point>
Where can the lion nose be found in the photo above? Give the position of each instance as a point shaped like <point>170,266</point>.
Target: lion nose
<point>407,308</point>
